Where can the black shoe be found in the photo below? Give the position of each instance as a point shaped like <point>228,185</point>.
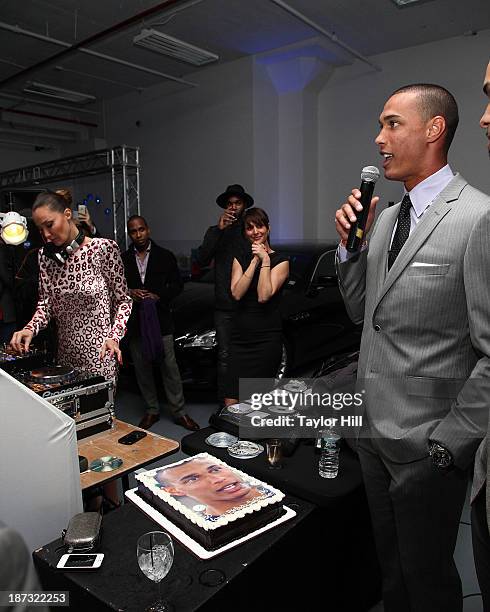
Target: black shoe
<point>148,420</point>
<point>186,421</point>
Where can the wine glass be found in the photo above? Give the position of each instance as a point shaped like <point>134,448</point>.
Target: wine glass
<point>155,551</point>
<point>274,453</point>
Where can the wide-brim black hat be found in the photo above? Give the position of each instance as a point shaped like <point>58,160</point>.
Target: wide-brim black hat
<point>234,190</point>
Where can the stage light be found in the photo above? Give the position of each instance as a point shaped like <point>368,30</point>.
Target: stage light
<point>13,228</point>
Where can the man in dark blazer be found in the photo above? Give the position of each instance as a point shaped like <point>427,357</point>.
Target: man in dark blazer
<point>222,242</point>
<point>421,286</point>
<point>153,280</point>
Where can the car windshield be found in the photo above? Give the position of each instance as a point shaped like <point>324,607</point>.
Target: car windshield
<point>299,266</point>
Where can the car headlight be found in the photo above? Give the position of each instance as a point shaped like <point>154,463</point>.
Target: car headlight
<point>206,340</point>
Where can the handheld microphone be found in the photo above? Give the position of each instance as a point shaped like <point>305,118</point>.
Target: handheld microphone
<point>369,176</point>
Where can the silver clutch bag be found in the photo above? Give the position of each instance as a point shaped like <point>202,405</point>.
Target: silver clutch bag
<point>83,532</point>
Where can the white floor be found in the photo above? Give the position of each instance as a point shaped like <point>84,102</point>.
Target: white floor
<point>130,408</point>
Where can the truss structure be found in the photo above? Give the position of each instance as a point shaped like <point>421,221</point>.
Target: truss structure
<point>121,162</point>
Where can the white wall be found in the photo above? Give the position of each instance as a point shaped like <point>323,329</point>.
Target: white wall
<point>353,98</point>
<point>195,141</point>
<point>193,144</point>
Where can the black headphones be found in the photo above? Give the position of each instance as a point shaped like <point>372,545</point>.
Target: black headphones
<point>61,254</point>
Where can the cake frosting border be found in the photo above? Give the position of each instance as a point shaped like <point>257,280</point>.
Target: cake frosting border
<point>224,519</point>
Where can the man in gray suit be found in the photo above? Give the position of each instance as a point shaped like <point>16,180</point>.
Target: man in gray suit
<point>421,285</point>
<point>17,571</point>
<point>480,509</point>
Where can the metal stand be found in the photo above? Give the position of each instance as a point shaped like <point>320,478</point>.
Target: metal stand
<point>123,164</point>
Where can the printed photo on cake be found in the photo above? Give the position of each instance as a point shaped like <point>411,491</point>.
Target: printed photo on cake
<point>209,488</point>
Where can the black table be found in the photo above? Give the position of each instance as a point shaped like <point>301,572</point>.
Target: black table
<point>340,525</point>
<point>325,555</point>
<point>299,474</point>
<point>120,585</point>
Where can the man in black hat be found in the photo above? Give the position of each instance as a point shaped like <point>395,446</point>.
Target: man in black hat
<point>222,242</point>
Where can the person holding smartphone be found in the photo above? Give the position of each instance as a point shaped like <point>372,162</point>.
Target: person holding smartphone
<point>223,242</point>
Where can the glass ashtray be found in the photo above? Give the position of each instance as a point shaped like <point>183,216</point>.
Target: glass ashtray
<point>221,439</point>
<point>239,408</point>
<point>244,449</point>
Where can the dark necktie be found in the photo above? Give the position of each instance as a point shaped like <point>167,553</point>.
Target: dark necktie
<point>402,230</point>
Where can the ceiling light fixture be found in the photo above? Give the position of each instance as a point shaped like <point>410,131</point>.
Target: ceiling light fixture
<point>43,89</point>
<point>173,47</point>
<point>13,228</point>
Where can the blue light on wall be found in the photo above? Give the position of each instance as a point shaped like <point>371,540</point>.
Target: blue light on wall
<point>107,211</point>
<point>293,69</point>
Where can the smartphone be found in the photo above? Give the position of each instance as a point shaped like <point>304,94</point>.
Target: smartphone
<point>80,561</point>
<point>82,209</point>
<point>132,437</point>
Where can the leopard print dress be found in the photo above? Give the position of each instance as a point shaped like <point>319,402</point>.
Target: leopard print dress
<point>89,299</point>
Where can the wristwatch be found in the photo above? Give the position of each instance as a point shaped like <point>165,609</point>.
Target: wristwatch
<point>440,455</point>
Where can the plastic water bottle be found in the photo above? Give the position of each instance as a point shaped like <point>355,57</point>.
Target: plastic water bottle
<point>328,466</point>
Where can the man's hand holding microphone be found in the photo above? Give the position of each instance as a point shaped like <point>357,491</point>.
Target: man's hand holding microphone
<point>354,218</point>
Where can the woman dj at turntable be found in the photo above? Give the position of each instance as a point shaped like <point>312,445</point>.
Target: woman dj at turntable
<point>82,287</point>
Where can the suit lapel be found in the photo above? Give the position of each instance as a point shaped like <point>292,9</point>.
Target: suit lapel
<point>378,249</point>
<point>431,219</point>
<point>150,265</point>
<point>134,279</point>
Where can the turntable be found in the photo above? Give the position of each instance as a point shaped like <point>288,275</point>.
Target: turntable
<point>52,374</point>
<point>12,361</point>
<point>87,398</point>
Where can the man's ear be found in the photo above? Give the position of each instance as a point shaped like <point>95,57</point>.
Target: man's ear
<point>436,128</point>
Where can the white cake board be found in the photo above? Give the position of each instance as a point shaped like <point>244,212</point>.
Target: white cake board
<point>189,542</point>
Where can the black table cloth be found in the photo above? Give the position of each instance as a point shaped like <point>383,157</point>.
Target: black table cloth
<point>120,585</point>
<point>325,555</point>
<point>299,474</point>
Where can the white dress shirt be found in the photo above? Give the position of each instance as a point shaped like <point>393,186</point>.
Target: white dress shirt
<point>142,262</point>
<point>421,196</point>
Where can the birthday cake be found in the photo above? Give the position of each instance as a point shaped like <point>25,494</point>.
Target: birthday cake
<point>210,501</point>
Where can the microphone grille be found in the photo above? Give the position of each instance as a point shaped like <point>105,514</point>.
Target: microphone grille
<point>370,173</point>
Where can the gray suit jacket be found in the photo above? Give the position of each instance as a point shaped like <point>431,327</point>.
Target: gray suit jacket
<point>425,349</point>
<point>17,571</point>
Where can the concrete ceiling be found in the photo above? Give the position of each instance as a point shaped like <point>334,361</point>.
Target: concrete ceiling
<point>230,28</point>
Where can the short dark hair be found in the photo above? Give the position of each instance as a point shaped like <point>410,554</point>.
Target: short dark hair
<point>435,100</point>
<point>57,201</point>
<point>135,218</point>
<point>158,476</point>
<point>257,216</point>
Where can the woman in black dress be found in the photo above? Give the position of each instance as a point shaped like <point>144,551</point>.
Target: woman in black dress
<point>256,284</point>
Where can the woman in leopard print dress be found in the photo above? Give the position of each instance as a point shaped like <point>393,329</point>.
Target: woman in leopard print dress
<point>87,295</point>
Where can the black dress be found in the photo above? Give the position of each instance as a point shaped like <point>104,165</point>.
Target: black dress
<point>256,341</point>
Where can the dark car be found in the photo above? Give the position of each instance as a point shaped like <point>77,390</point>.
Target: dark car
<point>315,322</point>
